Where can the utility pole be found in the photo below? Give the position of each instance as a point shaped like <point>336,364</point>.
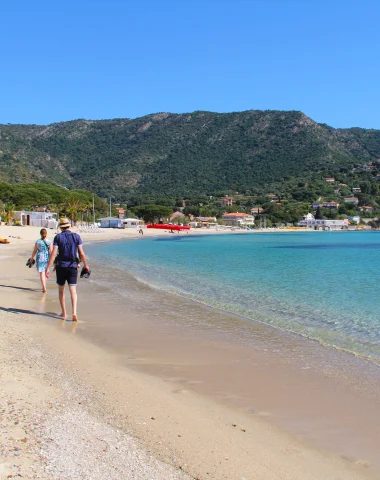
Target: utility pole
<point>93,209</point>
<point>110,208</point>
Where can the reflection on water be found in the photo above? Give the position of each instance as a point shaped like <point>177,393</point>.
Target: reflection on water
<point>41,304</point>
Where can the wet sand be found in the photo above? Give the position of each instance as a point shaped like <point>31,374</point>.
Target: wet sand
<point>196,395</point>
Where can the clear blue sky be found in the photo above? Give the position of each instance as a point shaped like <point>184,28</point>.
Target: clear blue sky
<point>97,59</point>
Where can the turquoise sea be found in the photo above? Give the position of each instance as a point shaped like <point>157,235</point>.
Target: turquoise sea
<point>322,285</point>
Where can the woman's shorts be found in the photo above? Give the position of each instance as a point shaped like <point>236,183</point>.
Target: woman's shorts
<point>67,274</point>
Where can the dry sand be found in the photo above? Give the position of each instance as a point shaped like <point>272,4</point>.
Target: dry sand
<point>69,410</point>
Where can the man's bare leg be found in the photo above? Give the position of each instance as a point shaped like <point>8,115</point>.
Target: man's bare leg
<point>61,294</point>
<point>73,293</point>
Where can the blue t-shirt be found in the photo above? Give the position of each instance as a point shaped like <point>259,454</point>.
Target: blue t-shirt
<point>67,243</point>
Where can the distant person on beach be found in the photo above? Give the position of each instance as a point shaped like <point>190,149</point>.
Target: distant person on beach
<point>68,245</point>
<point>141,232</point>
<point>42,251</point>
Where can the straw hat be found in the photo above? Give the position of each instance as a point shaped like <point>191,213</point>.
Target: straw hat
<point>64,222</point>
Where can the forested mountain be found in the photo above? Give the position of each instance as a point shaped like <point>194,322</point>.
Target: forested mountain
<point>182,154</point>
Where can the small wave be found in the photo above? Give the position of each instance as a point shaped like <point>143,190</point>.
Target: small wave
<point>300,293</point>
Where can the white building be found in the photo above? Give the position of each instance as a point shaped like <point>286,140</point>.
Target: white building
<point>238,219</point>
<point>132,223</point>
<point>36,219</point>
<point>353,200</point>
<point>310,222</point>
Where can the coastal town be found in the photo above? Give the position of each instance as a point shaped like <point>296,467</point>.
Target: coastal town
<point>345,212</point>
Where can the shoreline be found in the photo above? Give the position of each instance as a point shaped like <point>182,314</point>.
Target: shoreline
<point>365,358</point>
<point>187,430</point>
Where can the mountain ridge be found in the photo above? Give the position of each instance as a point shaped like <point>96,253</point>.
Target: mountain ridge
<point>181,154</point>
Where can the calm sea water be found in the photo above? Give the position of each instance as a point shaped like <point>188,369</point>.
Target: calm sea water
<point>323,285</point>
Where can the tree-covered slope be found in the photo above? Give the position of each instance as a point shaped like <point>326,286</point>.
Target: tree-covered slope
<point>181,154</point>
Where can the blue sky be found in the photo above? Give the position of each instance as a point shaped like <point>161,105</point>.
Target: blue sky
<point>97,59</point>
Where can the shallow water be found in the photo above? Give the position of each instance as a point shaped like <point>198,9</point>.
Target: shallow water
<point>322,285</point>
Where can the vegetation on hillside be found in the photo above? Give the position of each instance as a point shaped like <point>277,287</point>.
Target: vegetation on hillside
<point>280,163</point>
<point>75,204</point>
<point>183,156</point>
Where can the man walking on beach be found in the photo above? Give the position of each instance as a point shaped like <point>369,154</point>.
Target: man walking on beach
<point>68,244</point>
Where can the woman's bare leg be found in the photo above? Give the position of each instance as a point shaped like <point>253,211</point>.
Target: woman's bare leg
<point>43,281</point>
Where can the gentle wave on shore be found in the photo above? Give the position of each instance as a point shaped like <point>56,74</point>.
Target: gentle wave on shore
<point>321,286</point>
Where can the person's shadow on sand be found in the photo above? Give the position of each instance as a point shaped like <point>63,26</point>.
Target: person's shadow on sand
<point>31,312</point>
<point>20,288</point>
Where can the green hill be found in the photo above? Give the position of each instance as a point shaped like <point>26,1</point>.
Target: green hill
<point>182,154</point>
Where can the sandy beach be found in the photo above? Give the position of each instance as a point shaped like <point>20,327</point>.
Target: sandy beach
<point>72,409</point>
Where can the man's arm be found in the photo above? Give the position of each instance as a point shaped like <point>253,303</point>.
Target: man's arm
<point>83,256</point>
<point>51,260</point>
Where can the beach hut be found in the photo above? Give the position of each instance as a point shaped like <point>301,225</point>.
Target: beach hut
<point>132,223</point>
<point>110,222</point>
<point>36,219</point>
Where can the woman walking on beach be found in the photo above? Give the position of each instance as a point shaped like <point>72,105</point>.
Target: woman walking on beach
<point>42,249</point>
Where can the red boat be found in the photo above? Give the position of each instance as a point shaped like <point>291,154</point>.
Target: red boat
<point>167,226</point>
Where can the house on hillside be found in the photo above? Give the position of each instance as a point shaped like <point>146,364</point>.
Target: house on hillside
<point>272,197</point>
<point>256,210</point>
<point>367,209</point>
<point>238,219</point>
<point>36,219</point>
<point>226,201</point>
<point>330,180</point>
<point>330,204</point>
<point>354,200</point>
